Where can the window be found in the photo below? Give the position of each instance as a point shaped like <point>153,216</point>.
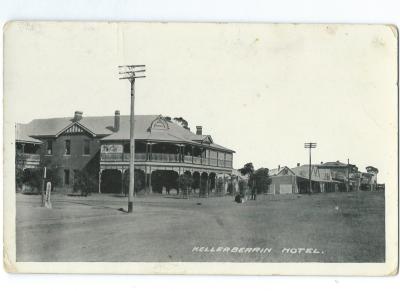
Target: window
<point>76,174</point>
<point>67,147</point>
<point>86,147</point>
<point>66,177</point>
<point>49,150</point>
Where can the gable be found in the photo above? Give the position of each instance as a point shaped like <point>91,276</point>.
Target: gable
<point>208,139</point>
<point>75,128</point>
<point>285,171</point>
<point>159,124</point>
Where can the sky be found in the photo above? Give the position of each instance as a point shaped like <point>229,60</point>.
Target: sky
<point>261,90</point>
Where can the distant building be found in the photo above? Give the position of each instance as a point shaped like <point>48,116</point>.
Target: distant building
<point>100,145</point>
<point>325,177</point>
<point>340,173</point>
<point>295,180</point>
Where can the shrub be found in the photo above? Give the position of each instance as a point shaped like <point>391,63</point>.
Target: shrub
<point>230,188</point>
<point>19,178</point>
<point>139,181</point>
<point>185,181</point>
<point>220,185</point>
<point>84,182</point>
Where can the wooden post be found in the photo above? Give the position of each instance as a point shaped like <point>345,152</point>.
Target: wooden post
<point>208,185</point>
<point>132,149</point>
<point>348,175</point>
<point>129,73</point>
<point>224,184</point>
<point>150,186</point>
<point>200,184</point>
<point>100,181</point>
<point>309,172</point>
<point>145,179</point>
<point>43,186</point>
<point>122,181</point>
<point>150,151</point>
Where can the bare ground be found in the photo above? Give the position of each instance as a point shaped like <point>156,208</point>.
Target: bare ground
<point>338,227</point>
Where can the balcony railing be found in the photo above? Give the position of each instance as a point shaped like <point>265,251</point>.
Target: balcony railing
<point>32,160</point>
<point>29,157</point>
<point>167,158</point>
<point>121,157</point>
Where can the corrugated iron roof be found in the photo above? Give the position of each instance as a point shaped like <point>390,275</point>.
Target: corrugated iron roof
<point>336,164</point>
<point>21,134</point>
<point>104,126</point>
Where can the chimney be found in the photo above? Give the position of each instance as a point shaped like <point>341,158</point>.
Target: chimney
<point>78,115</point>
<point>298,164</point>
<point>322,162</point>
<point>116,120</point>
<point>199,130</point>
<point>279,167</point>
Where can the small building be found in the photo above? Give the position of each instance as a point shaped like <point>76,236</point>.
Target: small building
<point>285,180</point>
<point>369,180</point>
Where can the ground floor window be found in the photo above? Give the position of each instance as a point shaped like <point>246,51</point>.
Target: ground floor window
<point>66,177</point>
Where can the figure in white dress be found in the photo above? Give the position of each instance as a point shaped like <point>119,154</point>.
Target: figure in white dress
<point>47,201</point>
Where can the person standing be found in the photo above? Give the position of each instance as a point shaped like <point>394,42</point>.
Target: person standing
<point>47,201</point>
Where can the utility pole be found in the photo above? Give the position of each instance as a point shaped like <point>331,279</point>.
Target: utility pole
<point>129,73</point>
<point>309,146</point>
<point>348,175</point>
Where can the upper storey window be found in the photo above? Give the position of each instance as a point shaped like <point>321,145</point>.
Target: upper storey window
<point>86,147</point>
<point>67,150</point>
<point>49,149</point>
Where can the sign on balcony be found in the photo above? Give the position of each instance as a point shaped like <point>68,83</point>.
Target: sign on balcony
<point>112,148</point>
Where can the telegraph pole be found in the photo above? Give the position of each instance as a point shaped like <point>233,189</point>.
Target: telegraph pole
<point>348,175</point>
<point>129,73</point>
<point>309,146</point>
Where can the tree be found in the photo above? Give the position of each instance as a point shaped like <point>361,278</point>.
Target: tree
<point>372,169</point>
<point>182,122</point>
<point>261,180</point>
<point>248,169</point>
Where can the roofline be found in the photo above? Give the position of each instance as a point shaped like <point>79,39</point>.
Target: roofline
<point>26,141</point>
